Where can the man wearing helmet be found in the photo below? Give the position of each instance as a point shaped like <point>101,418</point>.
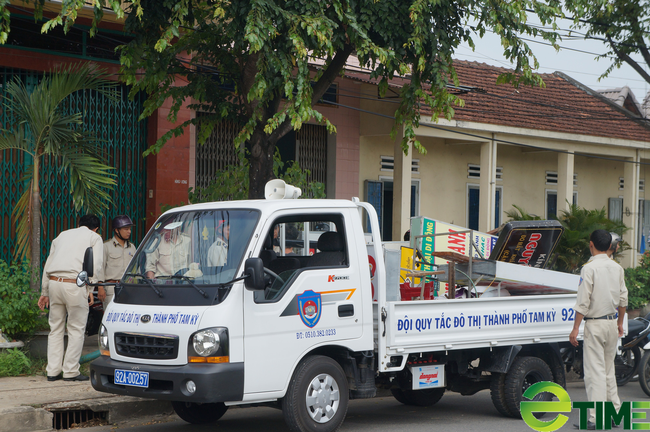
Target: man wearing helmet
<point>118,252</point>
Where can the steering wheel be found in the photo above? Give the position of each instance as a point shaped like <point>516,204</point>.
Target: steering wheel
<point>274,275</point>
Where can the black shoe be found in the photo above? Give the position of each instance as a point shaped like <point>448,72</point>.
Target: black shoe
<point>77,378</point>
<point>54,378</point>
<point>590,426</point>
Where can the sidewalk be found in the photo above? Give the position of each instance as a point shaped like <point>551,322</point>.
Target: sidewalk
<point>31,403</point>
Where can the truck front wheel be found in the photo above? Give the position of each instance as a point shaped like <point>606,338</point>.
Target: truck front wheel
<point>525,371</point>
<point>422,398</point>
<point>196,413</point>
<point>317,398</point>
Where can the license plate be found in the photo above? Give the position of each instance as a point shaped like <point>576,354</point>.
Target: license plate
<point>132,378</point>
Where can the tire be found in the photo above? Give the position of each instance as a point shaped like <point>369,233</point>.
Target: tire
<point>524,372</point>
<point>626,365</point>
<point>317,397</point>
<point>421,398</point>
<point>498,394</point>
<point>644,373</point>
<point>195,413</point>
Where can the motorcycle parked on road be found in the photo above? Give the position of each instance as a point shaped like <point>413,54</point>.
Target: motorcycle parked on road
<point>628,358</point>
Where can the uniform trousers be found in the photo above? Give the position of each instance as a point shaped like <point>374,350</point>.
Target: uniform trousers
<point>66,299</point>
<point>601,339</point>
<point>110,293</point>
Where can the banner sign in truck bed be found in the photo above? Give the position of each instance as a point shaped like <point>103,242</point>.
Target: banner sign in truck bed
<point>529,243</point>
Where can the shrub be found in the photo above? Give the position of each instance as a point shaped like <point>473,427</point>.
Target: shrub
<point>637,281</point>
<point>14,362</point>
<point>19,312</point>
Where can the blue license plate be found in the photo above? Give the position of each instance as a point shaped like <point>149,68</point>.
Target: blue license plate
<point>132,378</point>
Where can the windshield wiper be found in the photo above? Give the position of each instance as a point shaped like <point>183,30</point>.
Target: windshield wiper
<point>148,281</point>
<point>188,279</point>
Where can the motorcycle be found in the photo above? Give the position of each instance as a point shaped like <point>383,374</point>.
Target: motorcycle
<point>644,367</point>
<point>628,357</point>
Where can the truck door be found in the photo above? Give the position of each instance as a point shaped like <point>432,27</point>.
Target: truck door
<point>313,297</point>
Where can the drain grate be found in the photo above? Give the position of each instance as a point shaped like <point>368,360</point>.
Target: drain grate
<point>75,418</point>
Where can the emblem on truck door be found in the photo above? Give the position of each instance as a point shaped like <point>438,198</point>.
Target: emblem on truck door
<point>145,318</point>
<point>309,307</point>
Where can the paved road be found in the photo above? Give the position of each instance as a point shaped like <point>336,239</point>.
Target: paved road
<point>453,413</point>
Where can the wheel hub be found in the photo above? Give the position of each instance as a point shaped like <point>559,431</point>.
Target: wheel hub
<point>322,398</point>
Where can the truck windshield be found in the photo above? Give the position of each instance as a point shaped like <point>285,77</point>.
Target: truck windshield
<point>195,248</point>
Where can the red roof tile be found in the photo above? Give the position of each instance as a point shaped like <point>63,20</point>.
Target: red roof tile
<point>564,105</point>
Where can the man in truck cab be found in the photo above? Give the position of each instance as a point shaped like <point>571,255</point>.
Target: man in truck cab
<point>172,254</point>
<point>218,252</point>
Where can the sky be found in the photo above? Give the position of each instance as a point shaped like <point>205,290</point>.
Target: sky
<point>576,59</point>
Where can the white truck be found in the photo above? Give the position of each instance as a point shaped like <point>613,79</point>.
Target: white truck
<point>208,315</point>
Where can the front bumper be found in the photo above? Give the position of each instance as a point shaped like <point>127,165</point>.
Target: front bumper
<point>223,382</point>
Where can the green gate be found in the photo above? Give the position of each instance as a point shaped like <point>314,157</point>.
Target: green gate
<point>117,124</point>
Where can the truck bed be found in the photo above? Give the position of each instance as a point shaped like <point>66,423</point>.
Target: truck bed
<point>441,325</point>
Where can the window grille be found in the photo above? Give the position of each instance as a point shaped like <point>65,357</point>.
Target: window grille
<point>551,177</point>
<point>474,172</point>
<point>312,151</point>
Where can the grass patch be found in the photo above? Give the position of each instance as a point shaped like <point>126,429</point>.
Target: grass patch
<point>14,362</point>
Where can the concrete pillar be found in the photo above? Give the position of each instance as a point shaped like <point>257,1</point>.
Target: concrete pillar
<point>401,188</point>
<point>487,188</point>
<point>564,182</point>
<point>630,209</point>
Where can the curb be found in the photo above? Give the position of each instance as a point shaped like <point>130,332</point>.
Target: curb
<point>118,408</point>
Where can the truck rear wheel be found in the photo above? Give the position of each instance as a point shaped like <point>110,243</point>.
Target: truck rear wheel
<point>317,397</point>
<point>498,393</point>
<point>525,371</point>
<point>423,398</point>
<point>196,413</point>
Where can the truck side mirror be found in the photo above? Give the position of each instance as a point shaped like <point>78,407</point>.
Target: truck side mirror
<point>254,270</point>
<point>82,278</point>
<point>88,264</point>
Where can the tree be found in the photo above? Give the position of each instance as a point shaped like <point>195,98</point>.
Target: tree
<point>42,128</point>
<point>252,60</point>
<point>623,25</point>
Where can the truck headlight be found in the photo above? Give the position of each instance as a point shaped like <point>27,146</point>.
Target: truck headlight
<point>103,340</point>
<point>205,342</point>
<point>208,346</point>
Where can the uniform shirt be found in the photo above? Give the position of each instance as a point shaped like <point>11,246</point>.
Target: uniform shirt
<point>602,287</point>
<point>218,253</point>
<point>67,256</point>
<point>169,257</point>
<point>116,258</point>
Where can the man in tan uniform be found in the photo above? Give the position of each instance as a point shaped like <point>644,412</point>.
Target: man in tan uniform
<point>171,255</point>
<point>218,252</point>
<point>118,252</point>
<point>601,294</point>
<point>61,294</point>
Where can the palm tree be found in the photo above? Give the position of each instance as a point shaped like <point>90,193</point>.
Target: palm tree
<point>42,128</point>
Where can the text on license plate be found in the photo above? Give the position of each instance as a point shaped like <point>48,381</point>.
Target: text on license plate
<point>132,378</point>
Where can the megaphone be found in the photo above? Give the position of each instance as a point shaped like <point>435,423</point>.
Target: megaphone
<point>278,189</point>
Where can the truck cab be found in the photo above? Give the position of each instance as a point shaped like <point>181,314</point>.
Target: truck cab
<point>184,327</point>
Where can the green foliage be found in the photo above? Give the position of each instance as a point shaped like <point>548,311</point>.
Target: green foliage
<point>622,25</point>
<point>252,60</point>
<point>14,362</point>
<point>43,129</point>
<point>637,281</point>
<point>572,251</point>
<point>232,183</point>
<point>19,312</point>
